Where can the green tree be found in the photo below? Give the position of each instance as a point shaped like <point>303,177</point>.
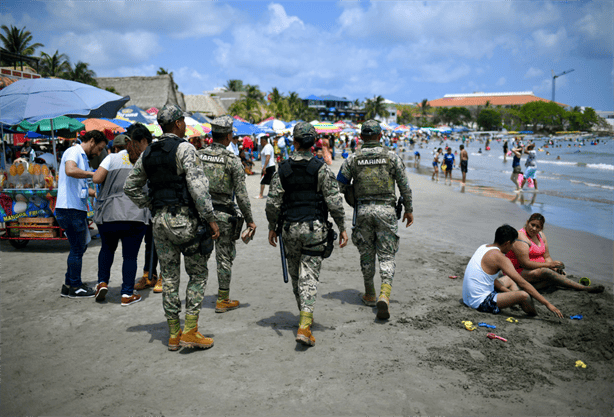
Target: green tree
<point>18,41</point>
<point>543,116</point>
<point>55,65</point>
<point>582,120</point>
<point>489,119</point>
<point>81,73</point>
<point>408,113</point>
<point>511,117</point>
<point>375,107</point>
<point>234,85</point>
<point>247,108</point>
<point>424,110</point>
<point>253,92</point>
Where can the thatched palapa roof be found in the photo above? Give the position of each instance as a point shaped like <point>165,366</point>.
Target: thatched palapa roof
<point>145,92</point>
<point>210,106</point>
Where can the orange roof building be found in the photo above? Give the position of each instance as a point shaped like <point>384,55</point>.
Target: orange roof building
<point>495,99</point>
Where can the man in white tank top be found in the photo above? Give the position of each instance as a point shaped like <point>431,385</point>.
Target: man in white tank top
<point>482,271</point>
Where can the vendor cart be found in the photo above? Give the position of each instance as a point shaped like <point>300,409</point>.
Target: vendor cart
<point>37,221</point>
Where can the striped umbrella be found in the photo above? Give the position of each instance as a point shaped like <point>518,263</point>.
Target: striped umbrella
<point>155,129</point>
<point>327,128</point>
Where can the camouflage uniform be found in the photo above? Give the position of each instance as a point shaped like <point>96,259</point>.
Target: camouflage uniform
<point>305,269</point>
<point>226,180</point>
<point>376,230</point>
<point>173,229</point>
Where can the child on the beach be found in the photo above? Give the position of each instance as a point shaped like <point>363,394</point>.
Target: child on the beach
<point>436,165</point>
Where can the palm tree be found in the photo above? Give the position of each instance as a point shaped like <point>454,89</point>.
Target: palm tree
<point>82,74</point>
<point>253,92</point>
<point>248,109</point>
<point>234,85</point>
<point>17,41</point>
<point>424,107</point>
<point>294,103</point>
<point>375,107</point>
<point>55,65</point>
<point>163,71</point>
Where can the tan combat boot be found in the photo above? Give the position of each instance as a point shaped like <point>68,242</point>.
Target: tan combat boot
<point>191,338</point>
<point>175,334</point>
<point>383,312</point>
<point>304,336</point>
<point>223,303</point>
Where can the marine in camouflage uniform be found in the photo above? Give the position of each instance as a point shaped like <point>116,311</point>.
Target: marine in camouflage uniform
<point>226,180</point>
<point>179,198</point>
<point>373,172</point>
<point>301,194</point>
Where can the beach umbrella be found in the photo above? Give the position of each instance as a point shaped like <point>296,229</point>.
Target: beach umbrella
<point>201,118</point>
<point>155,129</point>
<point>47,98</point>
<point>121,122</point>
<point>152,110</point>
<point>245,128</point>
<point>100,124</point>
<point>326,128</point>
<point>136,114</point>
<point>59,123</point>
<point>277,125</point>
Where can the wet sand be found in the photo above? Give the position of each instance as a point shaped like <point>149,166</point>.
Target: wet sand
<point>66,357</point>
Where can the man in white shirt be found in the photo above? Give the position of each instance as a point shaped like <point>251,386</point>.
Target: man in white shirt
<point>234,145</point>
<point>267,156</point>
<point>71,207</point>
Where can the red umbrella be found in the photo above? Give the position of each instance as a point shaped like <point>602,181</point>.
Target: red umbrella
<point>99,124</point>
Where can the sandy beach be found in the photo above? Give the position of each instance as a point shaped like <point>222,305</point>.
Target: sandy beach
<point>64,357</point>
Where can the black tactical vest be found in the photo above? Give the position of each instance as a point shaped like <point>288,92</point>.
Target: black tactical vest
<point>166,188</point>
<point>302,201</point>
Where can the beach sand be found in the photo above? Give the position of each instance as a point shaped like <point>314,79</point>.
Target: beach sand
<point>77,357</point>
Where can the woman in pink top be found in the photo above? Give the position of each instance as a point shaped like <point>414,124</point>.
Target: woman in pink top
<point>531,258</point>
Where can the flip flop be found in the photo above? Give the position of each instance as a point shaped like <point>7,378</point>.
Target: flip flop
<point>576,317</point>
<point>511,320</point>
<point>490,326</point>
<point>469,326</point>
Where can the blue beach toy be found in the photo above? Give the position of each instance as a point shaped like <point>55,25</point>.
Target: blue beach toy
<point>576,317</point>
<point>490,326</point>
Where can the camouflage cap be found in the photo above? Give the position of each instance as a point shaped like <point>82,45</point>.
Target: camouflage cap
<point>169,113</point>
<point>371,127</point>
<point>222,124</point>
<point>302,129</point>
<point>120,140</point>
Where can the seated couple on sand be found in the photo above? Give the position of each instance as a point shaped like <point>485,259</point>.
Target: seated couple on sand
<point>485,292</point>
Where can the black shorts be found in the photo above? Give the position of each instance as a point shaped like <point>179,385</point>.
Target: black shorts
<point>268,175</point>
<point>463,166</point>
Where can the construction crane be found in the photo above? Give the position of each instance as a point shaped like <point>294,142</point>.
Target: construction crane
<point>554,77</point>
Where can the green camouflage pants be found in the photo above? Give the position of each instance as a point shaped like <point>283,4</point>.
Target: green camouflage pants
<point>170,261</point>
<point>376,233</point>
<point>225,250</point>
<point>304,269</point>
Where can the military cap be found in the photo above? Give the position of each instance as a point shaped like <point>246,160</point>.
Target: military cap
<point>222,124</point>
<point>302,129</point>
<point>371,127</point>
<point>169,113</point>
<point>120,140</point>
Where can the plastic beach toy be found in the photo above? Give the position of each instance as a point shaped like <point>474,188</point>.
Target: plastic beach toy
<point>469,325</point>
<point>490,326</point>
<point>580,364</point>
<point>494,336</point>
<point>511,320</point>
<point>577,317</point>
<point>453,276</point>
<point>585,281</point>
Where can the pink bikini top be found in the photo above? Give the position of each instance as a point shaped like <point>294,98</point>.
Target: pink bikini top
<point>536,253</point>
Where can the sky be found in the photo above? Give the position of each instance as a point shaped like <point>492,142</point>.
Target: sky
<point>405,51</point>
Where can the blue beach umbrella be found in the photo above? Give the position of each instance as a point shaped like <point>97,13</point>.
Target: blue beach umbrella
<point>136,115</point>
<point>43,98</point>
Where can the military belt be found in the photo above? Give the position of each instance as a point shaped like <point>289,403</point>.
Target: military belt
<point>378,203</point>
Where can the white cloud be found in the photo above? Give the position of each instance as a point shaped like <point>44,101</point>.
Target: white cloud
<point>501,81</point>
<point>177,19</point>
<point>280,21</point>
<point>594,31</point>
<point>533,72</point>
<point>442,73</point>
<point>106,48</point>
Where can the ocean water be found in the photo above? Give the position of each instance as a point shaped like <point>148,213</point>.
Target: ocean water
<point>575,182</point>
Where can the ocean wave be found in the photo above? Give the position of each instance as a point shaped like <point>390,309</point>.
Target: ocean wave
<point>541,161</point>
<point>601,166</point>
<point>590,184</point>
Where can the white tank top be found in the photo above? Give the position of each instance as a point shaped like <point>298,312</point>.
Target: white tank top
<point>477,284</point>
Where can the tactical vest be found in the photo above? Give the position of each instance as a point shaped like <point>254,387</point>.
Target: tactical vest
<point>166,188</point>
<point>373,180</point>
<point>302,201</point>
<point>215,164</point>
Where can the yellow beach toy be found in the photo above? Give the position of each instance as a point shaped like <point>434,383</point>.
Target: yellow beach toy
<point>469,325</point>
<point>580,364</point>
<point>511,320</point>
